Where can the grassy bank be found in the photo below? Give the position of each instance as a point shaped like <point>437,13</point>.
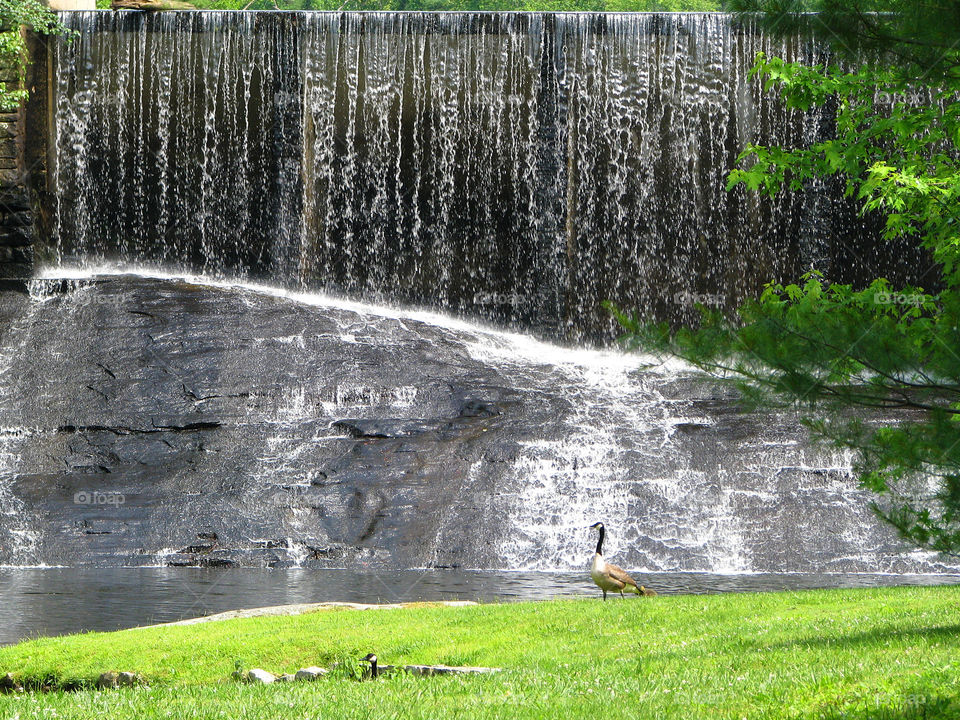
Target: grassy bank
<point>883,653</point>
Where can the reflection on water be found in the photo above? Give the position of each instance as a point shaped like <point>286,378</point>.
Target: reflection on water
<point>55,601</point>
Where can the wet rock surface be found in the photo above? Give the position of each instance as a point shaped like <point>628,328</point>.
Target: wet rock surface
<point>159,422</point>
<point>206,425</point>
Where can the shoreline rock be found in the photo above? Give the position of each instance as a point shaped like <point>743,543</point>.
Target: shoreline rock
<point>301,609</point>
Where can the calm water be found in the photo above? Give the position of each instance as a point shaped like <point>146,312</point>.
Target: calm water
<point>55,601</point>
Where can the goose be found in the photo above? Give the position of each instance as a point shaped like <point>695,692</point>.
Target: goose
<point>375,670</point>
<point>611,577</point>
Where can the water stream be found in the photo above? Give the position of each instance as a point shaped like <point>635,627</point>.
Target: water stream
<point>515,167</point>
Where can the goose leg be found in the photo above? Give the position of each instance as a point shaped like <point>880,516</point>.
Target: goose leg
<point>621,594</point>
<point>604,595</point>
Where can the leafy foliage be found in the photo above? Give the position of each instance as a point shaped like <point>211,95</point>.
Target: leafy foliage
<point>831,348</point>
<point>835,351</point>
<point>897,143</point>
<point>15,14</point>
<point>913,39</point>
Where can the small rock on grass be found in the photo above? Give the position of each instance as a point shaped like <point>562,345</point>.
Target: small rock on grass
<point>310,673</point>
<point>9,684</point>
<point>448,670</point>
<point>107,680</point>
<point>111,679</point>
<point>262,677</point>
<point>129,679</point>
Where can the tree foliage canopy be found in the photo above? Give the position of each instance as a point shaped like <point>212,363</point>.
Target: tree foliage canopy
<point>876,369</point>
<point>840,355</point>
<point>896,144</point>
<point>915,39</point>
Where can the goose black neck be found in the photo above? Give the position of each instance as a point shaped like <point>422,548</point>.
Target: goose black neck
<point>373,668</point>
<point>600,542</point>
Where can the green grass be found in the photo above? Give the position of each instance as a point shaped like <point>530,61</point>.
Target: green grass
<point>880,653</point>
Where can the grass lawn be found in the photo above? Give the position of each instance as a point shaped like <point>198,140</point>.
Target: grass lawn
<point>881,653</point>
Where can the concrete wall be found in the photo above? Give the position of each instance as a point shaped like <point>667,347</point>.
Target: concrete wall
<point>72,4</point>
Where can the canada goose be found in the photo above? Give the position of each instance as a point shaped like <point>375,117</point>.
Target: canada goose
<point>372,659</point>
<point>610,577</point>
<point>647,592</point>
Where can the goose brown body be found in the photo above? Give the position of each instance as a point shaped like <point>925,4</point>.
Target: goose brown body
<point>609,577</point>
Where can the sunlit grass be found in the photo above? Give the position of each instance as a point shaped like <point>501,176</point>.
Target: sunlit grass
<point>883,653</point>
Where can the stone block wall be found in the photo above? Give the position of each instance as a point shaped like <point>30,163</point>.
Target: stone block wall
<point>16,216</point>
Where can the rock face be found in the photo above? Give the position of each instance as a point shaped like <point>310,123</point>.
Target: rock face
<point>16,217</point>
<point>159,422</point>
<point>195,426</point>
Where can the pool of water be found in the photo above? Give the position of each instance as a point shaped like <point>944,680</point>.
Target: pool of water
<point>55,601</point>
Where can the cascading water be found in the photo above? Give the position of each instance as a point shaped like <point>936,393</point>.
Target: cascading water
<point>238,426</point>
<point>19,530</point>
<point>516,167</point>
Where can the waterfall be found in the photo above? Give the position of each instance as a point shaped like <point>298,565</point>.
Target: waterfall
<point>248,425</point>
<point>516,167</point>
<point>318,170</point>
